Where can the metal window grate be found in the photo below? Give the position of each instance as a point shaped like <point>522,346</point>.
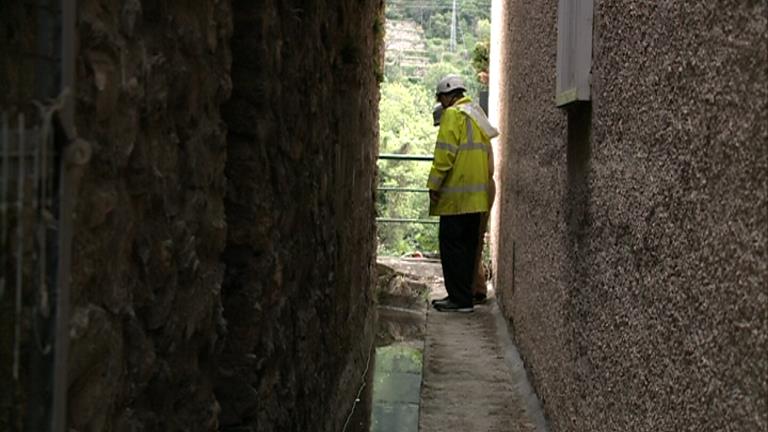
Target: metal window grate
<point>26,184</point>
<point>39,155</point>
<point>28,197</point>
<point>574,51</point>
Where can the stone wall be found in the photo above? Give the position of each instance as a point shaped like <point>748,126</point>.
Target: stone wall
<point>224,253</point>
<point>298,288</point>
<point>632,257</point>
<point>150,221</point>
<point>300,252</point>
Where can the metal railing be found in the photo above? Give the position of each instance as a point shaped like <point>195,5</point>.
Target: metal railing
<point>41,160</point>
<point>403,157</point>
<point>28,222</point>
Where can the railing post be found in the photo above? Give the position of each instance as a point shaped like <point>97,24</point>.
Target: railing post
<point>67,190</point>
<point>5,199</point>
<point>68,49</point>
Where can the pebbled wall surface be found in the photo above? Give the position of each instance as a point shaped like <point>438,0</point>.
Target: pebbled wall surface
<point>632,258</point>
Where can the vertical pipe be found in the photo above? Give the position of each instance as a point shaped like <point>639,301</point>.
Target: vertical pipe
<point>43,140</point>
<point>42,216</point>
<point>5,200</point>
<point>69,10</point>
<point>61,348</point>
<point>36,148</point>
<point>66,191</point>
<point>35,156</point>
<point>39,223</point>
<point>44,76</point>
<point>19,250</point>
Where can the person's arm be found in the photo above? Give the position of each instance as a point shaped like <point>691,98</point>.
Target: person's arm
<point>491,181</point>
<point>445,152</point>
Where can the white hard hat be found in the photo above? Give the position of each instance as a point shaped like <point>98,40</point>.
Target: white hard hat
<point>437,113</point>
<point>450,83</point>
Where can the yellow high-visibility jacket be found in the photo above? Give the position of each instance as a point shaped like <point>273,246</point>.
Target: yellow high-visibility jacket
<point>460,171</point>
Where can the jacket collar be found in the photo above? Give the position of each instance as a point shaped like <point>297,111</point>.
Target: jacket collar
<point>462,101</point>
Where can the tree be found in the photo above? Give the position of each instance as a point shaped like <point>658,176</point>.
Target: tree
<point>481,52</point>
<point>439,26</point>
<point>483,29</point>
<point>480,58</point>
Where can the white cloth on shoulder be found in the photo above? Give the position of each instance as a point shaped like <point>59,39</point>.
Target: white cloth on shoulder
<point>474,111</point>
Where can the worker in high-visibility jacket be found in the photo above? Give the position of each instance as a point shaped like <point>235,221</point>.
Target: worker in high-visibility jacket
<point>461,189</point>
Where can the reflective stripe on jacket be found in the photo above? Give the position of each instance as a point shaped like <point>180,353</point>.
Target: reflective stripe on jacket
<point>460,171</point>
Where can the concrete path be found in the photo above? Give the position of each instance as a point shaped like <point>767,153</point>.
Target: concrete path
<point>473,379</point>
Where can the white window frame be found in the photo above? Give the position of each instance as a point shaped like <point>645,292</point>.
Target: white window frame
<point>574,51</point>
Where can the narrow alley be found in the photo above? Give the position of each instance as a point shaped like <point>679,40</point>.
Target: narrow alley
<point>214,216</point>
<point>473,377</point>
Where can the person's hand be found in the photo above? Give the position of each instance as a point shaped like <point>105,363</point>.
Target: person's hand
<point>434,196</point>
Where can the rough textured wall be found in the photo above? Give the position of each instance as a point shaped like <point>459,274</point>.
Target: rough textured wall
<point>300,251</point>
<point>632,259</point>
<point>532,168</point>
<point>150,221</point>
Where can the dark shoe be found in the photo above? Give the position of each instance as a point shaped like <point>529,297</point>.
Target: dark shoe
<point>479,299</point>
<point>442,300</point>
<point>450,306</point>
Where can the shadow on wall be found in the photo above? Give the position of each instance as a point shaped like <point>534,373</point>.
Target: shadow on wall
<point>578,196</point>
<point>579,154</point>
<point>578,193</point>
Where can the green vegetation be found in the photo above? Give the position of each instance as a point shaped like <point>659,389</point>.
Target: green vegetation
<point>405,117</point>
<point>482,50</point>
<point>434,16</point>
<point>407,98</point>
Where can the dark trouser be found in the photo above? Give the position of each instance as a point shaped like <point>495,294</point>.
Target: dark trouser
<point>458,246</point>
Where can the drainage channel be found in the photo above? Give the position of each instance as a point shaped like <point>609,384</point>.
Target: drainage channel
<point>396,387</point>
<point>402,293</point>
